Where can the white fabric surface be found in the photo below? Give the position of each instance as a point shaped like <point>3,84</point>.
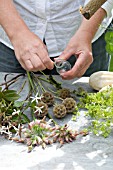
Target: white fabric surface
<point>56,21</point>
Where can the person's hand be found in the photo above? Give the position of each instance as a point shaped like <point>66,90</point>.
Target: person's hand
<point>31,52</point>
<point>80,46</point>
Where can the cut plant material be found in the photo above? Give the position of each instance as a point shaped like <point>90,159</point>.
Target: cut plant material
<point>41,110</point>
<point>70,105</point>
<point>46,106</point>
<point>40,132</point>
<point>59,110</point>
<point>91,7</point>
<point>64,93</point>
<point>48,98</point>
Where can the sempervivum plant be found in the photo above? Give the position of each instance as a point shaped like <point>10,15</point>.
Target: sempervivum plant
<point>41,132</point>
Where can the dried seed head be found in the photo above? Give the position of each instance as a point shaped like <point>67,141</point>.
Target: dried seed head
<point>59,110</point>
<point>64,93</point>
<point>48,98</point>
<point>44,110</point>
<point>70,104</point>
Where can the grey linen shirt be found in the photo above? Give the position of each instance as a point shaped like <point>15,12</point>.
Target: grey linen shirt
<point>56,21</point>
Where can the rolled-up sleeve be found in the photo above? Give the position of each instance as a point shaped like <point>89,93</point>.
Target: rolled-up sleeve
<point>108,6</point>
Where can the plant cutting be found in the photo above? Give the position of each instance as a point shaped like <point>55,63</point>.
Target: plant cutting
<point>91,7</point>
<point>17,126</point>
<point>43,130</point>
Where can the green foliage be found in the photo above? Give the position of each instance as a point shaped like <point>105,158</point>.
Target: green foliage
<point>10,108</point>
<point>9,95</point>
<point>111,64</point>
<point>100,108</point>
<point>18,103</point>
<point>109,45</point>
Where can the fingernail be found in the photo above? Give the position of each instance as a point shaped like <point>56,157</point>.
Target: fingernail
<point>62,74</point>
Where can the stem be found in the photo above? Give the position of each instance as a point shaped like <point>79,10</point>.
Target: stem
<point>32,114</point>
<point>52,119</point>
<point>52,91</point>
<point>8,106</point>
<point>23,85</point>
<point>36,87</point>
<point>29,95</point>
<point>7,85</point>
<point>51,81</point>
<point>30,81</point>
<point>44,74</point>
<point>39,83</point>
<point>43,90</point>
<point>26,107</point>
<point>54,82</point>
<point>41,78</point>
<point>12,79</point>
<point>48,81</point>
<point>32,88</point>
<point>10,82</point>
<point>58,98</point>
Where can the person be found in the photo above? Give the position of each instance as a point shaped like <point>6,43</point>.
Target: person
<point>34,32</point>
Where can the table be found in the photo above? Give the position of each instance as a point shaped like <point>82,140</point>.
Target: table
<point>85,153</point>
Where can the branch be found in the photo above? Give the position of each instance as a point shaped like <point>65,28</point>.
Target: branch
<point>91,7</point>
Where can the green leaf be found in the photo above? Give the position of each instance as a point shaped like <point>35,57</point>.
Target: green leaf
<point>10,95</point>
<point>1,95</point>
<point>15,117</point>
<point>18,103</point>
<point>109,48</point>
<point>109,36</point>
<point>10,92</point>
<point>26,119</point>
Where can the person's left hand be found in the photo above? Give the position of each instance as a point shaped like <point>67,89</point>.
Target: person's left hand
<point>80,46</point>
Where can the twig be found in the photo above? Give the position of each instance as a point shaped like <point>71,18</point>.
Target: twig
<point>23,85</point>
<point>91,7</point>
<point>12,79</point>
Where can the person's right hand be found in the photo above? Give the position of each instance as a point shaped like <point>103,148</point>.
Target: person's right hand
<point>31,52</point>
